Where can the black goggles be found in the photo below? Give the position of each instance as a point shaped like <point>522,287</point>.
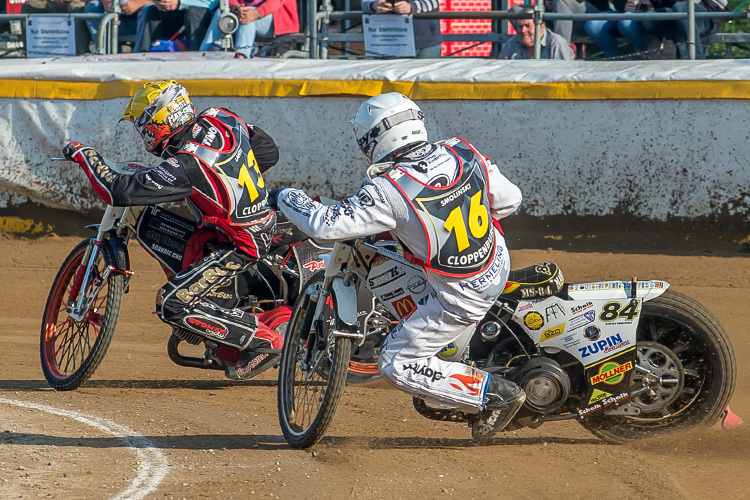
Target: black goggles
<point>387,123</point>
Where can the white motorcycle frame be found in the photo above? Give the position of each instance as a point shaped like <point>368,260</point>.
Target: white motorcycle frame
<point>597,320</point>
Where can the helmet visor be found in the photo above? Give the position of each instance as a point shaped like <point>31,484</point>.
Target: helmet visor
<point>383,125</point>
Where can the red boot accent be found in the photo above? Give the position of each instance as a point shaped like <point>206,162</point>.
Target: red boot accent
<point>229,353</point>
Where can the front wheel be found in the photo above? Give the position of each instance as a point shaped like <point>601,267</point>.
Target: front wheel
<point>686,360</point>
<point>72,350</point>
<point>308,395</point>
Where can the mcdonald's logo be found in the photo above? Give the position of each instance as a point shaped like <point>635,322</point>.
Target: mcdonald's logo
<point>405,307</point>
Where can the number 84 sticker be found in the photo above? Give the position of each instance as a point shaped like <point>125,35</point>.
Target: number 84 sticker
<point>615,310</point>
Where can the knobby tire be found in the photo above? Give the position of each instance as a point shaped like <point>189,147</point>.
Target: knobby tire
<point>703,346</point>
<point>301,425</point>
<point>70,350</point>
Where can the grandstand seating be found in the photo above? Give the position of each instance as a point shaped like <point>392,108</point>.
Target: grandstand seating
<point>462,37</point>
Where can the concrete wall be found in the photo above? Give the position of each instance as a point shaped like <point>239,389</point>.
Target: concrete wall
<point>648,154</point>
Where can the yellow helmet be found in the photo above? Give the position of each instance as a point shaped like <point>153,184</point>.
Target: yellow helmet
<point>158,110</point>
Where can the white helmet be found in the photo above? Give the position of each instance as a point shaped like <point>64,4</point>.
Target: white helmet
<point>388,124</point>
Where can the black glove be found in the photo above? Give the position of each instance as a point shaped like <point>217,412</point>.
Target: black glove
<point>272,199</point>
<point>71,149</point>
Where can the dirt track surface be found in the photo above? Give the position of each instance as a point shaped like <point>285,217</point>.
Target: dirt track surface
<point>144,424</point>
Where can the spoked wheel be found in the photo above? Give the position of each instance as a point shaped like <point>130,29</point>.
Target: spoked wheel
<point>685,375</point>
<point>308,395</point>
<point>71,350</point>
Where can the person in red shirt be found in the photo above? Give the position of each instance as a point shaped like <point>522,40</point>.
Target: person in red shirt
<point>265,18</point>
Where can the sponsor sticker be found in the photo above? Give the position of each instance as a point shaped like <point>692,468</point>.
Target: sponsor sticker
<point>571,341</point>
<point>580,320</point>
<point>602,403</point>
<point>209,277</point>
<point>315,265</point>
<point>553,332</point>
<point>398,292</point>
<point>386,277</point>
<point>425,371</point>
<point>417,284</point>
<point>245,370</point>
<point>525,307</point>
<point>553,311</point>
<point>598,395</point>
<point>611,373</point>
<point>405,307</point>
<point>591,332</point>
<point>449,350</point>
<point>533,320</point>
<point>581,307</point>
<point>206,326</point>
<point>607,345</point>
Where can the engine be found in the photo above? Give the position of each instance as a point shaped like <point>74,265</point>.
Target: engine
<point>546,384</point>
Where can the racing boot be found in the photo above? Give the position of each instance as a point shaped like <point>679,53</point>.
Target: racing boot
<point>256,358</point>
<point>504,399</point>
<point>250,364</point>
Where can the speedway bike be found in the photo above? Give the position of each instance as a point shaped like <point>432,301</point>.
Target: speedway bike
<point>626,359</point>
<point>83,306</point>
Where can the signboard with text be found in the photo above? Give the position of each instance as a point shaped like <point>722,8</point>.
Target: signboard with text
<point>50,37</point>
<point>388,35</point>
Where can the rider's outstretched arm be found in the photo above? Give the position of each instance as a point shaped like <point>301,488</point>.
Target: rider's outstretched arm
<point>167,182</point>
<point>363,214</point>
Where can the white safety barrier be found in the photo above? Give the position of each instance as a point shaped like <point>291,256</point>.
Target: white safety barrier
<point>652,139</point>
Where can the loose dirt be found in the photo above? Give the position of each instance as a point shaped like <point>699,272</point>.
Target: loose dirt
<point>221,439</point>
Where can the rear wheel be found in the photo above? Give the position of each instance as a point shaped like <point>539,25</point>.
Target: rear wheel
<point>72,350</point>
<point>308,395</point>
<point>686,360</point>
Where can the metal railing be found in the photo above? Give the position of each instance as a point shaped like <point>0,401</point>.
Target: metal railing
<point>319,35</point>
<point>106,42</point>
<point>320,41</point>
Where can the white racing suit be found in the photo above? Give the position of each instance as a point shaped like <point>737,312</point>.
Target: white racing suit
<point>436,200</point>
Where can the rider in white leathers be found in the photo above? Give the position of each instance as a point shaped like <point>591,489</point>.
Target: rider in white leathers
<point>442,202</point>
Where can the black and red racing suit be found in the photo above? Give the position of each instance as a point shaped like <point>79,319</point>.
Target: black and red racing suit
<point>216,163</point>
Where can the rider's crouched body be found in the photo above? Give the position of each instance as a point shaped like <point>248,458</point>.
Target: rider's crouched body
<point>441,201</point>
<point>214,160</point>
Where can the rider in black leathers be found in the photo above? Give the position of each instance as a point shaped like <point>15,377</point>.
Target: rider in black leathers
<point>216,161</point>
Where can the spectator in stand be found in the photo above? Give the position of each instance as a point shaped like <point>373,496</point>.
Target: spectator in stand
<point>265,18</point>
<point>646,36</point>
<point>567,29</point>
<point>521,45</point>
<point>427,36</point>
<point>604,33</point>
<point>62,7</point>
<point>128,15</point>
<point>162,19</point>
<point>703,27</point>
<point>4,25</point>
<point>651,34</point>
